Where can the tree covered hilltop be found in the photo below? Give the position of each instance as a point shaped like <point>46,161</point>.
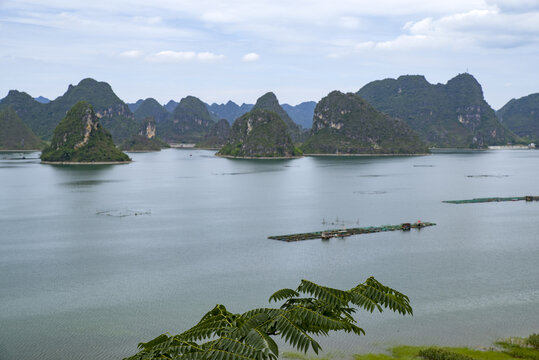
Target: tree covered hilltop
<point>80,138</point>
<point>347,124</point>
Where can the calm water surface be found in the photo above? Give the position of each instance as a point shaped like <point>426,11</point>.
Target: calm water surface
<point>94,260</point>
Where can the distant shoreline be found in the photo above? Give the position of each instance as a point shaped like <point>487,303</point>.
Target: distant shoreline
<point>85,162</point>
<point>364,154</point>
<point>19,150</point>
<point>259,157</point>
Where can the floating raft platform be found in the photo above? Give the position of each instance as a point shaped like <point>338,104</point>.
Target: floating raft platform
<point>327,234</point>
<point>494,199</point>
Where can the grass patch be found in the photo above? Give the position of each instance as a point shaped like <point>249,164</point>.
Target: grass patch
<point>510,351</point>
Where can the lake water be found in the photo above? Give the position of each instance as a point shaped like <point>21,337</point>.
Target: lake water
<point>94,260</point>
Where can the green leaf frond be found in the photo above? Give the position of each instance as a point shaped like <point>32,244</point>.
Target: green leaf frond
<point>261,340</point>
<point>372,291</point>
<point>326,294</point>
<point>216,322</point>
<point>310,302</point>
<point>158,340</point>
<point>283,294</point>
<point>295,335</point>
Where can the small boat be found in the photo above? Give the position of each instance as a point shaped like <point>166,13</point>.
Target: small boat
<point>326,235</point>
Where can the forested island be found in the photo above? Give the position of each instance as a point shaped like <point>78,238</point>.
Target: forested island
<point>80,139</point>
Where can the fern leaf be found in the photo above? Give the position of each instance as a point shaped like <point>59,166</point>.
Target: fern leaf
<point>283,294</point>
<point>329,295</point>
<point>295,335</point>
<point>260,340</point>
<point>383,296</point>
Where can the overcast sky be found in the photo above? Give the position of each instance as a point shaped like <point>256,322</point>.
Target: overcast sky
<point>221,50</point>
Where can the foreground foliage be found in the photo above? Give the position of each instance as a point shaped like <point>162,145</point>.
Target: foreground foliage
<point>434,353</point>
<point>309,310</point>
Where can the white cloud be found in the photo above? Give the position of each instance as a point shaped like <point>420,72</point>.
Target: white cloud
<point>208,56</point>
<point>180,56</point>
<point>152,20</point>
<point>474,29</point>
<point>349,22</point>
<point>250,57</point>
<point>131,54</point>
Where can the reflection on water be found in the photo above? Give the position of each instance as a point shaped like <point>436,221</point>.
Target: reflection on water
<point>78,183</point>
<point>105,257</point>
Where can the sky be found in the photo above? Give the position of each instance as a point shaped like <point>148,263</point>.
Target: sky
<point>220,50</point>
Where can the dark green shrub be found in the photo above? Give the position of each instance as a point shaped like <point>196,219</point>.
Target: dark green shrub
<point>434,353</point>
<point>533,341</point>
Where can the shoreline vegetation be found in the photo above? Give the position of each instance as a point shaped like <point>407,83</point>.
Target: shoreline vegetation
<point>504,349</point>
<point>85,162</point>
<point>258,157</point>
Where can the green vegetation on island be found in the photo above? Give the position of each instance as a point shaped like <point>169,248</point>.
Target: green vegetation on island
<point>309,310</point>
<point>522,116</point>
<point>80,138</point>
<point>146,139</point>
<point>259,134</point>
<point>269,102</point>
<point>15,134</point>
<point>345,124</point>
<point>190,122</point>
<point>452,115</point>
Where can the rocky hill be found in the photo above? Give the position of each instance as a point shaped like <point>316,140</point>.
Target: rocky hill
<point>217,135</point>
<point>522,116</point>
<point>42,118</point>
<point>79,137</point>
<point>259,134</point>
<point>347,124</point>
<point>151,108</point>
<point>451,115</point>
<point>31,112</point>
<point>171,106</point>
<point>189,123</point>
<point>14,134</point>
<point>146,139</point>
<point>269,102</point>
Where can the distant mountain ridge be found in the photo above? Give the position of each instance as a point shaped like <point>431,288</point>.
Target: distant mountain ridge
<point>522,116</point>
<point>42,100</point>
<point>451,115</point>
<point>301,114</point>
<point>229,111</point>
